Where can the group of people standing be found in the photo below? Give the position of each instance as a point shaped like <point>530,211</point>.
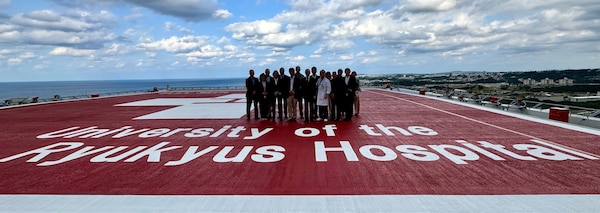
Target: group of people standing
<point>313,96</point>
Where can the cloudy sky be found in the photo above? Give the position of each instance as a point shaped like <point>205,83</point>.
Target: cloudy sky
<point>171,39</point>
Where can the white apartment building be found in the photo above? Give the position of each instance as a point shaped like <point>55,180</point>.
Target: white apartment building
<point>565,81</point>
<point>546,81</point>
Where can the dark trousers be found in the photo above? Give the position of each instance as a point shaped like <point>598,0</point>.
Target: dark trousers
<point>334,109</point>
<point>249,101</point>
<point>285,113</point>
<point>314,107</point>
<point>272,101</point>
<point>264,107</point>
<point>340,106</point>
<point>309,109</point>
<point>323,112</point>
<point>281,102</point>
<point>349,108</point>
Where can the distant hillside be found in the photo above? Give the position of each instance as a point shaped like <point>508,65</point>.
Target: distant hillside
<point>580,76</point>
<point>587,79</point>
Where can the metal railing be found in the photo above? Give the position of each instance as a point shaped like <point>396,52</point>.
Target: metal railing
<point>581,116</point>
<point>206,88</point>
<point>507,103</point>
<point>28,100</point>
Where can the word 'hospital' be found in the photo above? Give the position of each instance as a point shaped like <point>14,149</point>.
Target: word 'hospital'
<point>275,153</point>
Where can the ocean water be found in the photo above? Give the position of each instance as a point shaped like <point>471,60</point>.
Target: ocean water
<point>49,89</point>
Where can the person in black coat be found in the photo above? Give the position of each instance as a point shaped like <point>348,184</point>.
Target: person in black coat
<point>295,94</point>
<point>281,93</point>
<point>265,91</point>
<point>338,88</point>
<point>299,92</point>
<point>285,93</point>
<point>350,87</point>
<point>309,92</point>
<point>314,79</point>
<point>251,94</point>
<point>332,101</point>
<point>272,101</point>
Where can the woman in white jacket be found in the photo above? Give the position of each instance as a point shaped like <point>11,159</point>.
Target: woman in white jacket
<point>323,90</point>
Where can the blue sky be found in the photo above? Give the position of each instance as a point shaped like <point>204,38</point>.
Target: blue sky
<point>172,39</point>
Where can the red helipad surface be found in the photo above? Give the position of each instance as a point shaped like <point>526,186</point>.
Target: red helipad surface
<point>199,143</point>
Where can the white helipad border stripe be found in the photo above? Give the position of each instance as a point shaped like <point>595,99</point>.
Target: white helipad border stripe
<point>516,115</point>
<point>300,203</point>
<point>535,139</point>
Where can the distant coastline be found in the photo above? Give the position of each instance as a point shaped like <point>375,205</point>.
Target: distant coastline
<point>141,79</point>
<point>48,89</point>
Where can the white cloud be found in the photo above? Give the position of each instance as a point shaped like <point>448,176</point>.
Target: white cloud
<point>306,5</point>
<point>79,29</point>
<point>190,10</point>
<point>27,55</point>
<point>74,22</point>
<point>296,58</point>
<point>208,51</point>
<point>243,30</point>
<point>175,44</point>
<point>277,53</point>
<point>67,51</point>
<point>133,16</point>
<point>246,57</point>
<point>393,34</point>
<point>370,53</point>
<point>14,61</point>
<point>430,5</point>
<point>224,40</point>
<point>267,61</point>
<point>286,39</point>
<point>221,14</point>
<point>151,54</point>
<point>401,53</point>
<point>346,57</point>
<point>169,26</point>
<point>370,60</point>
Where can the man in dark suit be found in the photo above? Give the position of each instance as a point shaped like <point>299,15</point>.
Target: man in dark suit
<point>271,102</point>
<point>285,93</point>
<point>350,86</point>
<point>338,88</point>
<point>251,95</point>
<point>309,92</point>
<point>298,95</point>
<point>314,79</point>
<point>281,93</point>
<point>265,90</point>
<point>295,94</point>
<point>333,103</point>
